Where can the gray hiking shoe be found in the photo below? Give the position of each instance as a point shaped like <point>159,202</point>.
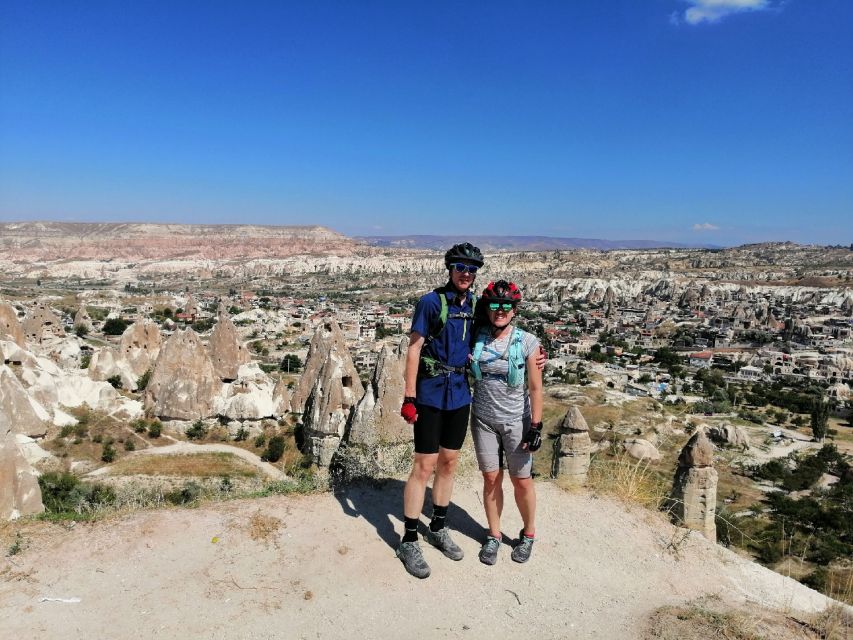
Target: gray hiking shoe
<point>441,540</point>
<point>413,559</point>
<point>523,549</point>
<point>489,551</point>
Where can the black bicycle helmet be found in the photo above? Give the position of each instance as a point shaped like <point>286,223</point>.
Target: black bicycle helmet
<point>465,251</point>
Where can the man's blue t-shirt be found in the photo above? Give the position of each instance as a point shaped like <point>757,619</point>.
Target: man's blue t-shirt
<point>452,347</point>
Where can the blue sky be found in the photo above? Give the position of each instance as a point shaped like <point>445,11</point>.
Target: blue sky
<point>709,121</point>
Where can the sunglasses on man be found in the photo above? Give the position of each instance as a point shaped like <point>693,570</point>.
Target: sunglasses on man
<point>460,267</point>
<point>505,306</point>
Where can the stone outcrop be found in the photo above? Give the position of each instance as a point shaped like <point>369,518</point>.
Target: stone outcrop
<point>327,336</point>
<point>82,319</point>
<point>281,398</point>
<point>641,449</point>
<point>19,489</point>
<point>10,327</point>
<point>226,350</point>
<point>729,435</point>
<point>107,363</point>
<point>183,382</point>
<point>335,390</point>
<point>378,440</point>
<point>140,346</point>
<point>42,322</point>
<point>572,448</point>
<point>694,488</point>
<point>250,397</point>
<point>25,416</point>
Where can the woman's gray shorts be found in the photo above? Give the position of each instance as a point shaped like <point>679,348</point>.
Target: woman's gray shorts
<point>493,442</point>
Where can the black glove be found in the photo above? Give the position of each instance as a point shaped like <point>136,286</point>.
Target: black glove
<point>533,439</point>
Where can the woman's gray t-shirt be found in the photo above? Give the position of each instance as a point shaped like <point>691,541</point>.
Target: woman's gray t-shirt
<point>494,399</point>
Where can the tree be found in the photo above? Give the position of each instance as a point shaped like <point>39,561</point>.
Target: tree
<point>820,417</point>
<point>81,330</point>
<point>291,363</point>
<point>115,326</point>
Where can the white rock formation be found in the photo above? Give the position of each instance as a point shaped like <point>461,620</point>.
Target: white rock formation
<point>183,384</point>
<point>226,350</point>
<point>572,448</point>
<point>140,346</point>
<point>694,488</point>
<point>19,489</point>
<point>10,327</point>
<point>641,449</point>
<point>24,414</point>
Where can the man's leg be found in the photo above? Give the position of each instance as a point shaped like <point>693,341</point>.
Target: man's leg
<point>442,488</point>
<point>413,494</point>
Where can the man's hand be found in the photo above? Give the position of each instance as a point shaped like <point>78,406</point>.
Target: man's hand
<point>533,439</point>
<point>542,358</point>
<point>409,411</point>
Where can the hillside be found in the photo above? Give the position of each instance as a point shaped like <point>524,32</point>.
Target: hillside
<point>519,243</point>
<point>323,566</point>
<point>61,240</point>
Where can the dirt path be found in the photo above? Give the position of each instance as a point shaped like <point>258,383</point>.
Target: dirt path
<point>323,566</point>
<point>180,448</point>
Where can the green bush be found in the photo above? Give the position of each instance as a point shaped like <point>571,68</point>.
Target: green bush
<point>241,435</point>
<point>155,428</point>
<point>260,441</point>
<point>142,381</point>
<point>189,493</point>
<point>115,381</point>
<point>64,493</point>
<point>139,426</point>
<point>115,326</point>
<point>198,431</point>
<point>129,445</point>
<point>85,360</point>
<point>274,450</point>
<point>108,454</point>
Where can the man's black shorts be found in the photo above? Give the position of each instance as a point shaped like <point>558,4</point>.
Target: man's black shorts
<point>437,427</point>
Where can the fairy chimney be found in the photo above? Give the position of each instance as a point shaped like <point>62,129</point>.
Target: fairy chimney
<point>226,350</point>
<point>10,327</point>
<point>335,391</point>
<point>694,488</point>
<point>183,382</point>
<point>572,448</point>
<point>140,345</point>
<point>20,494</point>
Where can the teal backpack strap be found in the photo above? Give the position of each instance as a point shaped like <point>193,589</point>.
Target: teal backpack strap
<point>476,354</point>
<point>515,373</point>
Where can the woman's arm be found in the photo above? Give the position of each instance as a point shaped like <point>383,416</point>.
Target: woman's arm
<point>534,386</point>
<point>413,358</point>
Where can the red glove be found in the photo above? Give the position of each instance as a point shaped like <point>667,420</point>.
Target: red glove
<point>409,411</point>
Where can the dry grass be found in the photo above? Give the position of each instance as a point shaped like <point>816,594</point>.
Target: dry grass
<point>263,528</point>
<point>707,618</point>
<point>197,465</point>
<point>630,480</point>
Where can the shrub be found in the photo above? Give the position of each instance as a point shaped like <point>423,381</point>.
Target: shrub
<point>274,450</point>
<point>155,429</point>
<point>115,381</point>
<point>197,431</point>
<point>129,446</point>
<point>109,453</point>
<point>139,426</point>
<point>142,381</point>
<point>85,360</point>
<point>260,440</point>
<point>190,492</point>
<point>81,330</point>
<point>241,435</point>
<point>115,326</point>
<point>64,493</point>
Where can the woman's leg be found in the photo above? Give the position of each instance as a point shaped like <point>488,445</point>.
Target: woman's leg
<point>493,500</point>
<point>525,499</point>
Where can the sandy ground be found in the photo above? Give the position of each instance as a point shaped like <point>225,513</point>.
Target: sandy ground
<point>323,566</point>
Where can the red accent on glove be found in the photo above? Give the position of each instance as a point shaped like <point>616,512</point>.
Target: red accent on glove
<point>409,412</point>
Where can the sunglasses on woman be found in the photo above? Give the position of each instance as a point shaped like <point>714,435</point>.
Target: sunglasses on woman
<point>460,267</point>
<point>505,306</point>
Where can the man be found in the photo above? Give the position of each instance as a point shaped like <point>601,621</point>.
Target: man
<point>437,401</point>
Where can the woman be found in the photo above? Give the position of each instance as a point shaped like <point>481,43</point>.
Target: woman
<point>507,416</point>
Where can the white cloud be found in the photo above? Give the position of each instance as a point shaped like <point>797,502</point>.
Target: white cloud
<point>715,10</point>
<point>705,226</point>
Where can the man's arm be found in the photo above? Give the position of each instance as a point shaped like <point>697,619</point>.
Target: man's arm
<point>413,359</point>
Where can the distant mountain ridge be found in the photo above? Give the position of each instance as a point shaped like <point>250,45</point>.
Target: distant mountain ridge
<point>521,243</point>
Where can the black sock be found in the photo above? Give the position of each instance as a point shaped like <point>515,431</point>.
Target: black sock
<point>439,518</point>
<point>411,529</point>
